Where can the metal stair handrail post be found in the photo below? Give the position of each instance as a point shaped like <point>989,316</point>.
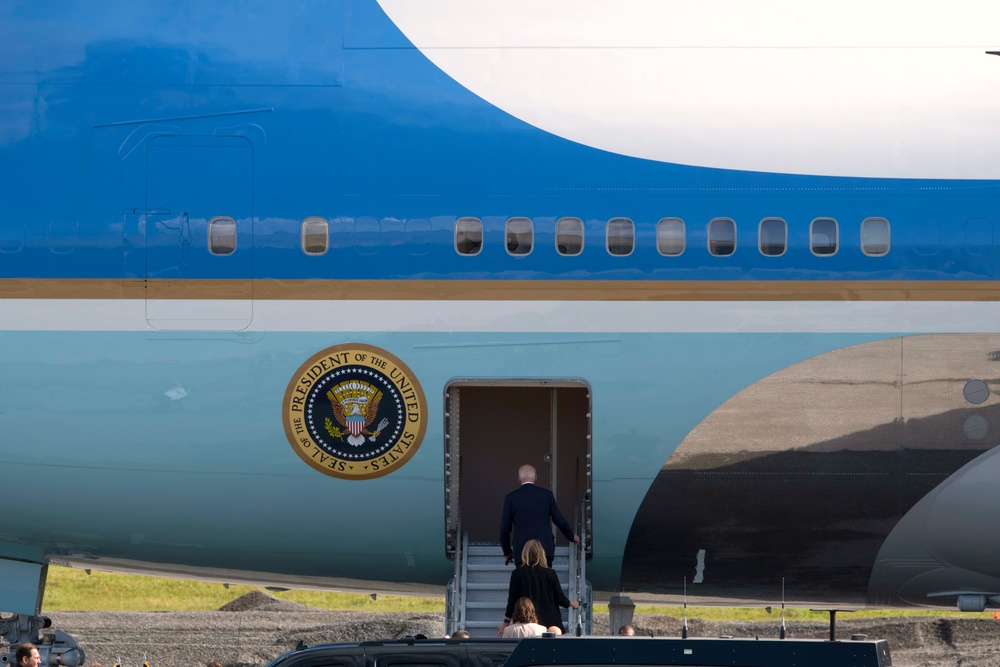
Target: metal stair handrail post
<point>452,620</point>
<point>464,579</point>
<point>572,574</point>
<point>579,589</point>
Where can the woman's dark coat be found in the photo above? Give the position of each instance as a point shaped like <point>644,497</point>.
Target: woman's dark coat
<point>541,586</point>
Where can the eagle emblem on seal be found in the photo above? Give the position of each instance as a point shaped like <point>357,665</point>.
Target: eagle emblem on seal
<point>355,407</point>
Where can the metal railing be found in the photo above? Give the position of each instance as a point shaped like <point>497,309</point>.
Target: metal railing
<point>580,620</point>
<point>455,595</point>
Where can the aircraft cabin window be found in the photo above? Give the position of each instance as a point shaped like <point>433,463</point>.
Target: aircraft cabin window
<point>11,234</point>
<point>670,236</point>
<point>418,236</point>
<point>772,237</point>
<point>569,236</point>
<point>722,237</point>
<point>875,236</point>
<point>823,237</point>
<point>62,235</point>
<point>926,236</point>
<point>520,235</point>
<point>222,235</point>
<point>315,235</point>
<point>621,236</point>
<point>367,236</point>
<point>978,236</point>
<point>469,236</point>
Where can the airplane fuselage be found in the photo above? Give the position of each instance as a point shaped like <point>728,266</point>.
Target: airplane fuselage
<point>235,241</point>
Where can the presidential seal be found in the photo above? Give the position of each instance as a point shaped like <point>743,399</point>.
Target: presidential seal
<point>354,411</point>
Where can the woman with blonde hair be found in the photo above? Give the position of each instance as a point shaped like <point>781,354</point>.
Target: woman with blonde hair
<point>525,623</point>
<point>535,580</point>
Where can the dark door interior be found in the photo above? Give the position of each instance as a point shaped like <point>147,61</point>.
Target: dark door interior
<point>498,427</point>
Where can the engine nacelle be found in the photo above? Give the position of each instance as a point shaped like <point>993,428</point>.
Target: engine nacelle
<point>971,602</point>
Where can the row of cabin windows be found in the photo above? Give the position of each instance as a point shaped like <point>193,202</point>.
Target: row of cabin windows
<point>772,236</point>
<point>671,236</point>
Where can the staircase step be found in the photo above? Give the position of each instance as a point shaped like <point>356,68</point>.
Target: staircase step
<point>488,573</point>
<point>501,588</point>
<point>481,564</point>
<point>487,583</point>
<point>494,549</point>
<point>487,592</point>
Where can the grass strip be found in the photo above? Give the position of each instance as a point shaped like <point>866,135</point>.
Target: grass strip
<point>71,589</point>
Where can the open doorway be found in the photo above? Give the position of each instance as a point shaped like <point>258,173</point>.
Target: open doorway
<point>492,428</point>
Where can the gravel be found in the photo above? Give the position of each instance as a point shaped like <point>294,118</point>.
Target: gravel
<point>256,628</point>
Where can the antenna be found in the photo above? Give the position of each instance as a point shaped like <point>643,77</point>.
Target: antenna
<point>784,632</point>
<point>684,629</point>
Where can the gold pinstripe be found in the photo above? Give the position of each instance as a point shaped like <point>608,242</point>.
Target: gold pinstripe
<point>506,290</point>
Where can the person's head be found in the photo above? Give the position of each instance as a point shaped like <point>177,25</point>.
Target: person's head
<point>27,655</point>
<point>527,473</point>
<point>524,611</point>
<point>534,554</point>
<point>626,631</point>
<point>554,629</point>
<point>461,634</point>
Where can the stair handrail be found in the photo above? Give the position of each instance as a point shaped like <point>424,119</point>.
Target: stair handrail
<point>586,594</point>
<point>456,587</point>
<point>578,576</point>
<point>464,579</point>
<point>573,584</point>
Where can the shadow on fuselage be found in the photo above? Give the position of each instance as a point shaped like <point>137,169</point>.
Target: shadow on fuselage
<point>735,512</point>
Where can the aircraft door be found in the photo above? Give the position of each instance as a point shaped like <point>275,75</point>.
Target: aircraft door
<point>495,427</point>
<point>198,233</point>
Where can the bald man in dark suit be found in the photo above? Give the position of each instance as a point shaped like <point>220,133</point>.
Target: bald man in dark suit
<point>528,511</point>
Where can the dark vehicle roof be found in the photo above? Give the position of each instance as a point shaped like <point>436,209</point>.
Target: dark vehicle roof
<point>624,651</point>
<point>591,652</point>
<point>410,652</point>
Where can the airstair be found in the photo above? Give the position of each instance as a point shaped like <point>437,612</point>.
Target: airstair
<point>477,595</point>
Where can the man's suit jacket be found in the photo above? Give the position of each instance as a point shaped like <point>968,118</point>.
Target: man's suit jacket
<point>528,510</point>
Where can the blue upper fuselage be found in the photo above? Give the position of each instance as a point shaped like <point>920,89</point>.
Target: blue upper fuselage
<point>345,119</point>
